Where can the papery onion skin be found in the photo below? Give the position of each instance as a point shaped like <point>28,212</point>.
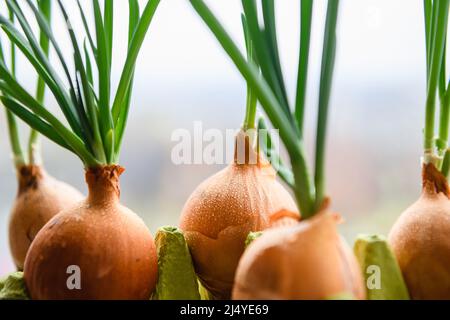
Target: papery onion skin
<point>307,261</point>
<point>223,210</point>
<point>40,197</point>
<point>420,240</point>
<point>109,244</point>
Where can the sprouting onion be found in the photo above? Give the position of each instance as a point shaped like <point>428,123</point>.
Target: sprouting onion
<point>252,100</point>
<point>272,94</point>
<point>99,232</point>
<point>244,197</point>
<point>308,260</point>
<point>419,238</point>
<point>20,160</point>
<point>39,196</point>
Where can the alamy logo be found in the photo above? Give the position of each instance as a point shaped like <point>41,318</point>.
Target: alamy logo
<point>374,280</point>
<point>210,146</point>
<point>74,280</point>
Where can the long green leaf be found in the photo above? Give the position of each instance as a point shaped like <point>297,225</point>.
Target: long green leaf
<point>45,7</point>
<point>433,30</point>
<point>109,29</point>
<point>446,164</point>
<point>13,130</point>
<point>252,99</point>
<point>264,53</point>
<point>87,30</point>
<point>428,12</point>
<point>2,54</point>
<point>302,79</point>
<point>122,99</point>
<point>270,32</point>
<point>34,122</point>
<point>90,128</point>
<point>442,86</point>
<point>326,78</point>
<point>103,62</point>
<point>88,113</point>
<point>133,52</point>
<point>106,121</point>
<point>89,71</point>
<point>134,15</point>
<point>265,141</point>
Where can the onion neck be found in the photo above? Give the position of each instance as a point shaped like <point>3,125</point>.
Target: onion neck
<point>244,152</point>
<point>433,181</point>
<point>28,177</point>
<point>103,184</point>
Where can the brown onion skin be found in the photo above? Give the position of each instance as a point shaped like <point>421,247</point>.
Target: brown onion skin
<point>223,210</point>
<point>40,197</point>
<point>308,261</point>
<point>108,242</point>
<point>420,240</point>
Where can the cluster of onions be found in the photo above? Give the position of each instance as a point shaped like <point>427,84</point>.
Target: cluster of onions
<point>111,245</point>
<point>307,260</point>
<point>39,196</point>
<point>420,236</point>
<point>244,197</point>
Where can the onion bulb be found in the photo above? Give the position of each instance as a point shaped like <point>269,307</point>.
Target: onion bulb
<point>224,209</point>
<point>306,261</point>
<point>108,244</point>
<point>420,240</point>
<point>39,198</point>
